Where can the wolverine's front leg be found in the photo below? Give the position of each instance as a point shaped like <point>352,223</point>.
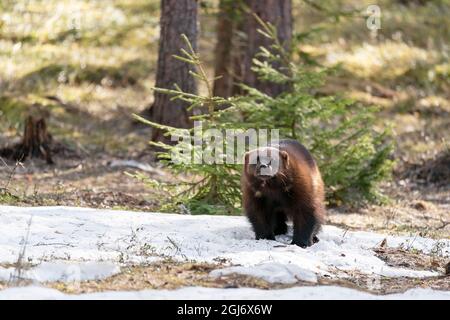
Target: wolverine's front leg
<point>262,219</point>
<point>262,229</point>
<point>305,223</point>
<point>280,223</point>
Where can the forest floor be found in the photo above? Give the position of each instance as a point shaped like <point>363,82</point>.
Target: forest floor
<point>79,251</point>
<point>88,75</point>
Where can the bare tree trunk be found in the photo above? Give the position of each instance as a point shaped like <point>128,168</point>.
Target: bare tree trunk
<point>228,51</point>
<point>177,17</point>
<point>278,13</point>
<point>223,52</point>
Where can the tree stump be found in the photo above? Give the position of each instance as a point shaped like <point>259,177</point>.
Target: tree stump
<point>36,142</point>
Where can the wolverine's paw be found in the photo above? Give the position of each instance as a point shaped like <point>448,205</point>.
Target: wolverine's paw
<point>302,244</point>
<point>265,237</point>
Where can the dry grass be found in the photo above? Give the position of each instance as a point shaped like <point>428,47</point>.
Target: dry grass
<point>163,275</point>
<point>410,217</point>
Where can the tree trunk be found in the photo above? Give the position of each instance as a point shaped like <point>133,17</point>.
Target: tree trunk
<point>279,14</point>
<point>228,51</point>
<point>177,17</point>
<point>226,23</point>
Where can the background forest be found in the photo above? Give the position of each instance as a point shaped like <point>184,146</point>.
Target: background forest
<point>93,206</point>
<point>87,66</point>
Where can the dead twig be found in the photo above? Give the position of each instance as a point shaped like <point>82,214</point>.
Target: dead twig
<point>444,224</point>
<point>19,265</point>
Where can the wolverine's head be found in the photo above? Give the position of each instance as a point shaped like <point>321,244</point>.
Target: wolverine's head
<point>265,163</point>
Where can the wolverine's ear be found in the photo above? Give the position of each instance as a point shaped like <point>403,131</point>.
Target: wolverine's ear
<point>246,162</point>
<point>246,157</point>
<point>285,156</point>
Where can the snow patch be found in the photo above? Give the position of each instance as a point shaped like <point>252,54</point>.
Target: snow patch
<point>271,272</point>
<point>81,236</point>
<point>194,293</point>
<point>135,164</point>
<point>62,271</point>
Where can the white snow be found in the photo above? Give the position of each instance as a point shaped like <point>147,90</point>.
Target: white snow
<point>200,293</point>
<point>95,243</point>
<point>271,272</point>
<point>62,271</point>
<point>135,164</point>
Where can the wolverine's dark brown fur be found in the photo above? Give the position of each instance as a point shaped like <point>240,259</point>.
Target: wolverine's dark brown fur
<point>294,191</point>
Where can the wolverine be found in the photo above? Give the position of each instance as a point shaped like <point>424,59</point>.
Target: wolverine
<point>282,182</point>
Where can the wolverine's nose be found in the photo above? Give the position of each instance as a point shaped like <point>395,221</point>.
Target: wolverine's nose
<point>265,171</point>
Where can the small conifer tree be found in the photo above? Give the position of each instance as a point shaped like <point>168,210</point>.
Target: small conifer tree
<point>213,186</point>
<point>352,156</point>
